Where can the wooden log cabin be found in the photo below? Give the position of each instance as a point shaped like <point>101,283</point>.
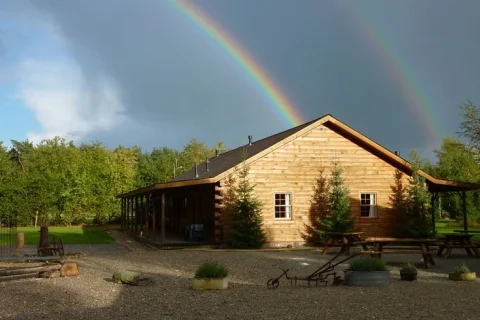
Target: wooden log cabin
<point>284,168</point>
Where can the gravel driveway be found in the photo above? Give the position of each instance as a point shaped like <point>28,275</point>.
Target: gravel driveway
<point>91,295</point>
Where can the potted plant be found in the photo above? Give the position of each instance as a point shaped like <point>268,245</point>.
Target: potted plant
<point>462,273</point>
<point>408,272</point>
<point>367,272</point>
<point>210,276</point>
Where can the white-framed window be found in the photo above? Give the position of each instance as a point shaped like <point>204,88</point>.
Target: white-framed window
<point>368,205</point>
<point>283,205</point>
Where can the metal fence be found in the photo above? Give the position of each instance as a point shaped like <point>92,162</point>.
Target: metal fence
<point>8,235</point>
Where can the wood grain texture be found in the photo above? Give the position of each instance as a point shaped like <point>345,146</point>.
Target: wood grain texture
<point>294,167</point>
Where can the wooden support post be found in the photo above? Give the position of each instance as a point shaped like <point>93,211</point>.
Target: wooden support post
<point>127,213</point>
<point>136,215</point>
<point>162,220</point>
<point>121,214</point>
<point>147,215</point>
<point>124,207</point>
<point>432,202</point>
<point>464,208</point>
<point>154,225</point>
<point>131,214</point>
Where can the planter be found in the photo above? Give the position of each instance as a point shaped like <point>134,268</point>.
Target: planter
<point>367,278</point>
<point>408,276</point>
<point>209,283</point>
<point>469,276</point>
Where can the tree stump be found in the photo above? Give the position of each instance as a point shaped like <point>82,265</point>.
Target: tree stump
<point>44,247</point>
<point>20,240</point>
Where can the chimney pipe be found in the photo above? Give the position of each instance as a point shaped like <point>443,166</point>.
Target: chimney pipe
<point>217,152</point>
<point>196,170</point>
<point>250,140</point>
<point>207,163</point>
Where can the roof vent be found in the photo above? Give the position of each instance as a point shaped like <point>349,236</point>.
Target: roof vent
<point>196,170</point>
<point>397,153</point>
<point>207,165</point>
<point>250,140</point>
<point>217,152</point>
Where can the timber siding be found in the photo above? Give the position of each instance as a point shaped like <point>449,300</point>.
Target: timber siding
<point>293,168</point>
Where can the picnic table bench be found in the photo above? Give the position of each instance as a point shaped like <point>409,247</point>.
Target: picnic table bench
<point>457,240</point>
<point>345,240</point>
<point>378,243</point>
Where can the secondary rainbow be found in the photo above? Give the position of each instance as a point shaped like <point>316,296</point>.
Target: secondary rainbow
<point>415,99</point>
<point>277,98</point>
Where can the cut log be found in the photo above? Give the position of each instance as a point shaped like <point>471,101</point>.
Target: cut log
<point>11,272</point>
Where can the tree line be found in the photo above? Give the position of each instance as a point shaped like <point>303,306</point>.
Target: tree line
<point>60,183</point>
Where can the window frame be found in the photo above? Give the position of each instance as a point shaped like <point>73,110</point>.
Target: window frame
<point>375,205</point>
<point>290,206</point>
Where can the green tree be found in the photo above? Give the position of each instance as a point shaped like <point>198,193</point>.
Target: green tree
<point>339,218</point>
<point>398,202</point>
<point>417,222</point>
<point>456,161</point>
<point>319,209</point>
<point>246,228</point>
<point>470,125</point>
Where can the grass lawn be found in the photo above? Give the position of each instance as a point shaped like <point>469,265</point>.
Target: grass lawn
<point>70,235</point>
<point>443,227</point>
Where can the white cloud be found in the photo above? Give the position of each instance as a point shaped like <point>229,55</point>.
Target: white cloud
<point>64,103</point>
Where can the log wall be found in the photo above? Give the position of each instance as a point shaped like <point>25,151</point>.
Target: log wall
<point>293,169</point>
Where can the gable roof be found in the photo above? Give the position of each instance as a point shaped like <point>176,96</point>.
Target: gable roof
<point>224,164</point>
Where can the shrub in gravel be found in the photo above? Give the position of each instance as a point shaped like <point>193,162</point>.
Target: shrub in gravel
<point>368,264</point>
<point>211,270</point>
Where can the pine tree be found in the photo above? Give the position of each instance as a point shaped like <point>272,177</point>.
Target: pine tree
<point>339,218</point>
<point>319,209</point>
<point>246,229</point>
<point>418,208</point>
<point>398,202</point>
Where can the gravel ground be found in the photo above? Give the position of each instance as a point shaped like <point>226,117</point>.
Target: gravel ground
<point>91,295</point>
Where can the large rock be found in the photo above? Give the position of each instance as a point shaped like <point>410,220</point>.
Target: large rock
<point>131,277</point>
<point>69,269</point>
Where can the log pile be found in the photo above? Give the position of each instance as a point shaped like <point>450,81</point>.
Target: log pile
<point>47,270</point>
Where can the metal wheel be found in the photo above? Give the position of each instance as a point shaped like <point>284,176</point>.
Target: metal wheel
<point>60,247</point>
<point>273,283</point>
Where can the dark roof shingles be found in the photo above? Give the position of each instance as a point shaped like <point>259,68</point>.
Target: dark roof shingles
<point>225,161</point>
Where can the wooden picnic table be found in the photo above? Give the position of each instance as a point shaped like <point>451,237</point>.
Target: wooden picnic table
<point>379,242</point>
<point>457,240</point>
<point>344,239</point>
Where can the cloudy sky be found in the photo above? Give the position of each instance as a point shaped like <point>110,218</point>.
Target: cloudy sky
<point>142,73</point>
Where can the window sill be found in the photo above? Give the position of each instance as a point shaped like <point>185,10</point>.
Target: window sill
<point>286,221</point>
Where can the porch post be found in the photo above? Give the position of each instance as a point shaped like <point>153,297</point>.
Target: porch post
<point>127,213</point>
<point>162,220</point>
<point>432,209</point>
<point>147,215</point>
<point>121,213</point>
<point>131,214</point>
<point>464,208</point>
<point>154,224</point>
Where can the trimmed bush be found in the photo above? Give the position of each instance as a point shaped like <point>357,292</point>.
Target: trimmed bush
<point>368,264</point>
<point>211,270</point>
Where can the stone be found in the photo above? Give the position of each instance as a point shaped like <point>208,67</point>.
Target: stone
<point>69,269</point>
<point>49,274</point>
<point>130,277</point>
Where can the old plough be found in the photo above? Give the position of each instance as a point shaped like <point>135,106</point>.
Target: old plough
<point>318,276</point>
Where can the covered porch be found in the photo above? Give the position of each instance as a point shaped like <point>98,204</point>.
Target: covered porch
<point>170,214</point>
<point>438,186</point>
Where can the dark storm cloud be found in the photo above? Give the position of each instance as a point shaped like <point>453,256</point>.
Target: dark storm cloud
<point>178,84</point>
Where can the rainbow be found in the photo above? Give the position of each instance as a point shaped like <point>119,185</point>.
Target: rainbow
<point>278,99</point>
<point>418,102</point>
